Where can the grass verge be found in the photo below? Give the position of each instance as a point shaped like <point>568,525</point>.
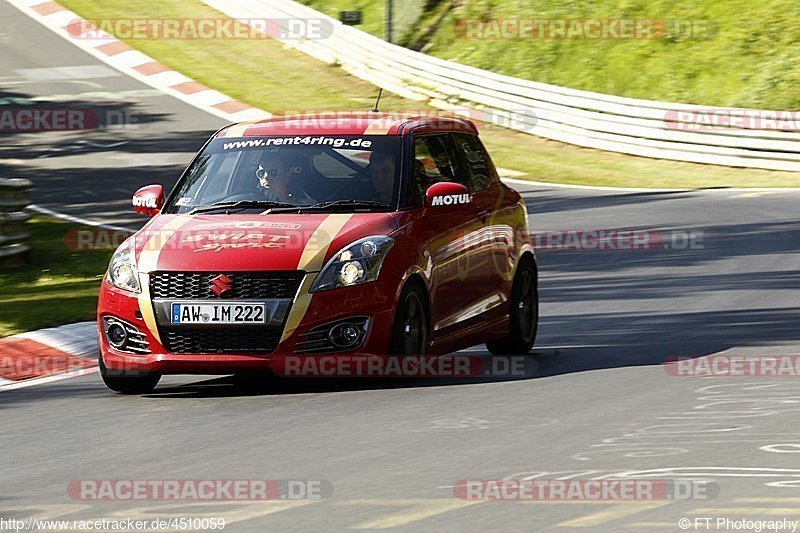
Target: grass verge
<point>266,74</point>
<point>735,53</point>
<point>57,286</point>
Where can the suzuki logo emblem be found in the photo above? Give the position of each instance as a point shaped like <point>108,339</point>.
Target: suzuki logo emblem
<point>221,285</point>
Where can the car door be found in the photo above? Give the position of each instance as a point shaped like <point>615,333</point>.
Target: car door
<point>495,238</point>
<point>451,235</point>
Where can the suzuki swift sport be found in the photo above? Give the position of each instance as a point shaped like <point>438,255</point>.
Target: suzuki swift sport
<point>367,234</point>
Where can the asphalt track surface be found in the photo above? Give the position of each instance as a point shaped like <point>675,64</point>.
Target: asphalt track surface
<point>599,403</point>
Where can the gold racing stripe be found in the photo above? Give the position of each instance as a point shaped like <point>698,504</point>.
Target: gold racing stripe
<point>148,262</point>
<point>311,262</point>
<point>380,126</point>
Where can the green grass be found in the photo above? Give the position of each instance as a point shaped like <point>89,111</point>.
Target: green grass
<point>749,58</point>
<point>57,286</point>
<point>409,19</point>
<point>266,74</point>
<point>372,12</point>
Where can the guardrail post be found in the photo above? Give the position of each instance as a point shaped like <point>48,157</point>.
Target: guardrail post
<point>388,20</point>
<point>13,216</point>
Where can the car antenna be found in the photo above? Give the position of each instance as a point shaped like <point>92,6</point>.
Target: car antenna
<point>377,100</point>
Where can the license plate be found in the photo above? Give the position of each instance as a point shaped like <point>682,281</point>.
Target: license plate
<point>219,313</point>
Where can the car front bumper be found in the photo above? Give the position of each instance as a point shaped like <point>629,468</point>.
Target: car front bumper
<point>307,311</point>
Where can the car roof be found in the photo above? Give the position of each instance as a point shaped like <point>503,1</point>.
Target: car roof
<point>337,123</point>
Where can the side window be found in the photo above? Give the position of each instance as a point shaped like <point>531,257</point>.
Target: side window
<point>478,169</point>
<point>433,159</point>
<point>433,162</point>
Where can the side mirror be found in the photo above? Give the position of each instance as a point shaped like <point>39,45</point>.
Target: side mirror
<point>149,200</point>
<point>447,193</point>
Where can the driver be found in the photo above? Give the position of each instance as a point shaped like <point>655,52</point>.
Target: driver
<point>275,178</point>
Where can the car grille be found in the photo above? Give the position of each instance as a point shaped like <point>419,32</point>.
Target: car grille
<point>244,285</point>
<point>220,340</point>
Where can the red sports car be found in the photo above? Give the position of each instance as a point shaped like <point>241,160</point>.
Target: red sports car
<point>367,234</point>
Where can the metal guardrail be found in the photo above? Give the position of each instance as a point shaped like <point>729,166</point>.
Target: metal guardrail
<point>632,126</point>
<point>13,216</point>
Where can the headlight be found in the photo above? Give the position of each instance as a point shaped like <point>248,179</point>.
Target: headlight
<point>357,263</point>
<point>122,271</point>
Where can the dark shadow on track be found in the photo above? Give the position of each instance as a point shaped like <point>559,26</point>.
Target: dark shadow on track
<point>63,165</point>
<point>548,202</point>
<point>710,243</point>
<point>270,385</point>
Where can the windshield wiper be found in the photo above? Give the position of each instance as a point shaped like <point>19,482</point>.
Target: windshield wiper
<point>241,204</point>
<point>348,203</point>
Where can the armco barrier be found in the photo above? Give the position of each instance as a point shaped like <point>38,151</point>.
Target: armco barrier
<point>637,127</point>
<point>13,216</point>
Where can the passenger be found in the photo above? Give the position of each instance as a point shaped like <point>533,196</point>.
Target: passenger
<point>382,176</point>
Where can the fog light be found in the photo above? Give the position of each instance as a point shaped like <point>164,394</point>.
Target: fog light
<point>344,335</point>
<point>117,336</point>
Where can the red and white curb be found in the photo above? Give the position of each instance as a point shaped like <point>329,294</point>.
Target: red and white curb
<point>48,355</point>
<point>122,57</point>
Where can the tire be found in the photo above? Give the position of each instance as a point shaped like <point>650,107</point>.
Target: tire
<point>523,313</point>
<point>139,383</point>
<point>410,327</point>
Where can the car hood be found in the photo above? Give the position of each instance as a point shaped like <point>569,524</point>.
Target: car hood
<point>229,243</point>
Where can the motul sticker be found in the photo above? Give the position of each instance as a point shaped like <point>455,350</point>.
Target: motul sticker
<point>145,201</point>
<point>451,199</point>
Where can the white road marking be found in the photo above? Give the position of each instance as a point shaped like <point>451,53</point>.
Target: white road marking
<point>781,448</point>
<point>81,72</point>
<point>76,220</point>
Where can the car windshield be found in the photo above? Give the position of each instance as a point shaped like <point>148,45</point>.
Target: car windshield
<point>326,172</point>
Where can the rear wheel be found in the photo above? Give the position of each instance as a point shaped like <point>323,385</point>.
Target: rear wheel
<point>523,313</point>
<point>119,381</point>
<point>410,329</point>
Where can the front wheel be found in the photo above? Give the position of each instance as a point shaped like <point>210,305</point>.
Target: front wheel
<point>410,328</point>
<point>123,383</point>
<point>523,314</point>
